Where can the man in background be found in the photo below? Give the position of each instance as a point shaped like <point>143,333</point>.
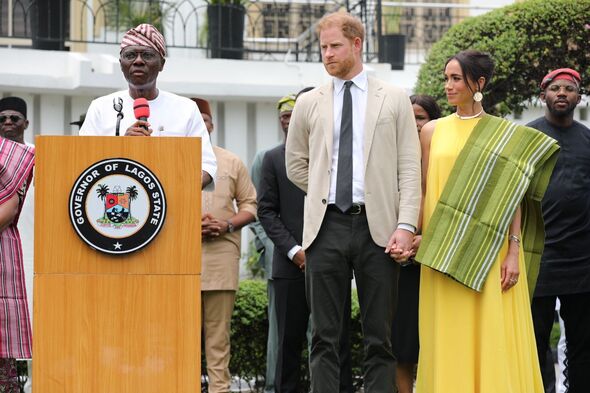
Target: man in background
<point>17,163</point>
<point>565,265</point>
<point>221,234</point>
<point>280,210</point>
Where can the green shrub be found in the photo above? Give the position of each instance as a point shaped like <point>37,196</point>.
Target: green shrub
<point>526,40</point>
<point>249,330</point>
<point>249,333</point>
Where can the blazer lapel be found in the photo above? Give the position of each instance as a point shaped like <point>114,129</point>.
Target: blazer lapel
<point>375,96</point>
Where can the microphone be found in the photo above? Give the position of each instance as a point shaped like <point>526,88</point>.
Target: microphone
<point>141,109</point>
<point>118,107</point>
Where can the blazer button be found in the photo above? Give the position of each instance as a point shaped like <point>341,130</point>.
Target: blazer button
<point>324,201</point>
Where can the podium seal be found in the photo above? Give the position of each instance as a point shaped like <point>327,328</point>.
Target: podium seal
<point>117,206</point>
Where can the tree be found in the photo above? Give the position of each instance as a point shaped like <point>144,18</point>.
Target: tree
<point>126,14</point>
<point>132,191</point>
<point>526,40</point>
<point>102,190</point>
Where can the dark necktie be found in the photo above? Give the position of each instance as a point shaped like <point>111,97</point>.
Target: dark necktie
<point>344,175</point>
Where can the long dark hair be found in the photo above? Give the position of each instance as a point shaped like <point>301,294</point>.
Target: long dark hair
<point>428,103</point>
<point>474,65</point>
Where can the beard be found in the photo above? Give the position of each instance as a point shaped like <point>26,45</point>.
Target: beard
<point>561,112</point>
<point>342,68</point>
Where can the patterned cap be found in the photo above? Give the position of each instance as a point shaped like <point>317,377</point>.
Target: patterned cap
<point>145,35</point>
<point>561,73</point>
<point>286,104</point>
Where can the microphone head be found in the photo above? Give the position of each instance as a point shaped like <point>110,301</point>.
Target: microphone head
<point>141,108</point>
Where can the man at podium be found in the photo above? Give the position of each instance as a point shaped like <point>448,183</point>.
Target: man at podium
<point>142,58</point>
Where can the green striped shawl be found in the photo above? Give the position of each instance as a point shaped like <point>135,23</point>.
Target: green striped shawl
<point>501,165</point>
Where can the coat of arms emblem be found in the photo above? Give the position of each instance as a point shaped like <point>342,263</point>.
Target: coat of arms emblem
<point>117,206</point>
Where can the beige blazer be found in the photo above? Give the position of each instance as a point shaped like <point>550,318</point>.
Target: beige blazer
<point>391,158</point>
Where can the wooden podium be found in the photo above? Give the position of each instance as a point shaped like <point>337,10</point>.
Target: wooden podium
<point>117,323</point>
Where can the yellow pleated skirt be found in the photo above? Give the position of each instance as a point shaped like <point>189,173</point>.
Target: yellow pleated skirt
<point>471,342</point>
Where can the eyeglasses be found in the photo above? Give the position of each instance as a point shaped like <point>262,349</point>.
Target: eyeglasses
<point>132,55</point>
<point>568,88</point>
<point>13,118</point>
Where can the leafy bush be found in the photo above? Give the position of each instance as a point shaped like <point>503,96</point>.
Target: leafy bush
<point>526,40</point>
<point>249,331</point>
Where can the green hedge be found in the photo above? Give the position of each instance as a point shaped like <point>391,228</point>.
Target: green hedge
<point>249,332</point>
<point>526,40</point>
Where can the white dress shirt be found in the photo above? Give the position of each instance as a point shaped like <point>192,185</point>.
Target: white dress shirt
<point>170,115</point>
<point>358,90</point>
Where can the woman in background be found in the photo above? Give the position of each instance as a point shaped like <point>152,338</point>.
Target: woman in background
<point>404,338</point>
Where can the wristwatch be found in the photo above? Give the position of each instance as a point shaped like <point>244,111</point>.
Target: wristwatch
<point>230,226</point>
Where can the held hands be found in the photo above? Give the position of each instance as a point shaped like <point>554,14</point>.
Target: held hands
<point>299,259</point>
<point>415,244</point>
<point>212,227</point>
<point>400,245</point>
<point>139,128</point>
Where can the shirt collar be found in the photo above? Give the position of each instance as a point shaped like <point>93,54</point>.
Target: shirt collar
<point>360,81</point>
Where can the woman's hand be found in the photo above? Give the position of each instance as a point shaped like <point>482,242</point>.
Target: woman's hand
<point>509,272</point>
<point>415,245</point>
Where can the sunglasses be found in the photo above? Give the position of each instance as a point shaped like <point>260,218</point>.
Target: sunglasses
<point>145,55</point>
<point>13,118</point>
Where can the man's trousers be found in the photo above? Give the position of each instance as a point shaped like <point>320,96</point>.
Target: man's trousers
<point>217,308</point>
<point>575,312</point>
<point>343,246</point>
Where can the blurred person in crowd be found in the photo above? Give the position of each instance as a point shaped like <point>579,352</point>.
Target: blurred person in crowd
<point>565,265</point>
<point>16,172</point>
<point>404,338</point>
<point>280,210</point>
<point>221,234</point>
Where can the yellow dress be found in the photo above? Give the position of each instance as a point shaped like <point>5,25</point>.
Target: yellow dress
<point>471,342</point>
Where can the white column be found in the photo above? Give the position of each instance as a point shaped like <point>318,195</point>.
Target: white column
<point>235,128</point>
<point>268,128</point>
<point>52,111</point>
<point>79,106</point>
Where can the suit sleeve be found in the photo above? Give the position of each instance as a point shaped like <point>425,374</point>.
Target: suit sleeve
<point>408,164</point>
<point>297,146</point>
<point>255,171</point>
<point>269,208</point>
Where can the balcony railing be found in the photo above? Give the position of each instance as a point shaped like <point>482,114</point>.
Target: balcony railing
<point>267,29</point>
